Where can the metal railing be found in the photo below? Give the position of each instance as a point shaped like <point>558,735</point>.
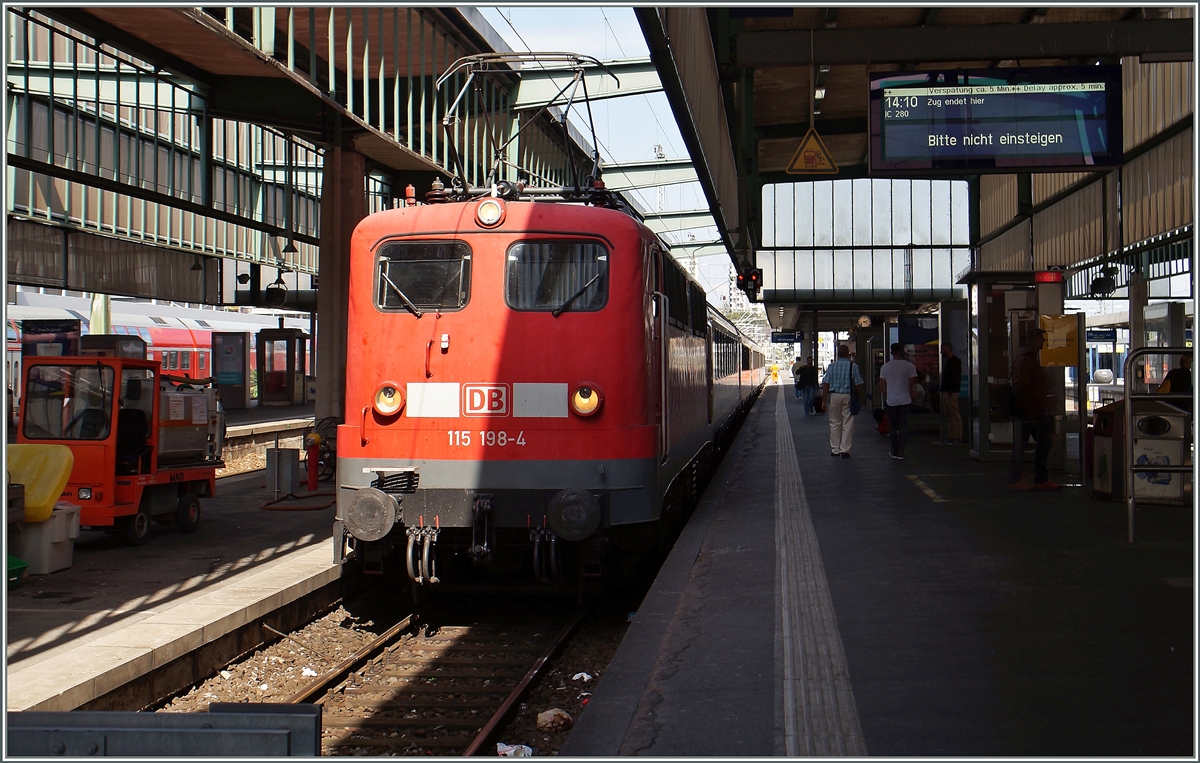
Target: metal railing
<point>1130,400</point>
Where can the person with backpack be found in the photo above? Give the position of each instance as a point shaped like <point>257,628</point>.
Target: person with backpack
<point>806,384</point>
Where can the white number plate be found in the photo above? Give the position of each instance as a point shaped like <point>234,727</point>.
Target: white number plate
<point>464,437</point>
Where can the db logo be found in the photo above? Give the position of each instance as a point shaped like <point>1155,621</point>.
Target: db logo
<point>485,399</point>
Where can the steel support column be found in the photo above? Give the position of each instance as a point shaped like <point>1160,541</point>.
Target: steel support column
<point>344,204</point>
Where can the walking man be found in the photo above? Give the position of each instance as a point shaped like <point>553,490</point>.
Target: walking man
<point>897,380</point>
<point>796,367</point>
<point>951,385</point>
<point>808,386</point>
<point>842,379</point>
<point>1031,417</point>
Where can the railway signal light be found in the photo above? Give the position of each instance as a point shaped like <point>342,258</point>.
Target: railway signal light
<point>750,281</point>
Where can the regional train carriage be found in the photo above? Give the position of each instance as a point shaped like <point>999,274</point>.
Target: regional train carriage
<point>519,374</point>
<point>179,338</point>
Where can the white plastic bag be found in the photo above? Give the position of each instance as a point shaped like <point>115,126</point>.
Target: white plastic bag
<point>514,751</point>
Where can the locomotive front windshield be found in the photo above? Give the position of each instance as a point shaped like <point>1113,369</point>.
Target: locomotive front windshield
<point>427,275</point>
<point>557,276</point>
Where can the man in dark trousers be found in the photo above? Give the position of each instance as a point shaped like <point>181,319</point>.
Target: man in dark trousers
<point>897,380</point>
<point>1031,417</point>
<point>951,385</point>
<point>806,385</point>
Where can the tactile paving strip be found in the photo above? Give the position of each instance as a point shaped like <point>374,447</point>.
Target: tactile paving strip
<point>819,714</point>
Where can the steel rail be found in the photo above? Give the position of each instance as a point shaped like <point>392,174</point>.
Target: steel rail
<point>342,669</point>
<point>485,734</point>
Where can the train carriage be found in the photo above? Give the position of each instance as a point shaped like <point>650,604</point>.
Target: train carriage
<point>529,386</point>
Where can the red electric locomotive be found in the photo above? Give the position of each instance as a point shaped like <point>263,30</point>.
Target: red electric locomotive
<point>531,386</point>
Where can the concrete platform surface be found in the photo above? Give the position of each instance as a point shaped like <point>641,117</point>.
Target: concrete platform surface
<point>120,611</point>
<point>840,607</point>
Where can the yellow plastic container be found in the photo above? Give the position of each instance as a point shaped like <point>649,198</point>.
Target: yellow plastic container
<point>44,471</point>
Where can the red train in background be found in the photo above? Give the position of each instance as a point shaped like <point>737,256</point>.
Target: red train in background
<point>179,338</point>
<point>531,387</point>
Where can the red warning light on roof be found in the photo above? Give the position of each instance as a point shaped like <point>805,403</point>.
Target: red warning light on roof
<point>1048,276</point>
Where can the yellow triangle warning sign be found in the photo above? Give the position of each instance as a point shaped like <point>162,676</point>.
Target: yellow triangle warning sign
<point>812,158</point>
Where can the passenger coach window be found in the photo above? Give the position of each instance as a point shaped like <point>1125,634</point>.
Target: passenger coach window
<point>557,275</point>
<point>429,275</point>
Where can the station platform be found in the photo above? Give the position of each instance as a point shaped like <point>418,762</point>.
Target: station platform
<point>256,415</point>
<point>120,612</point>
<point>870,606</point>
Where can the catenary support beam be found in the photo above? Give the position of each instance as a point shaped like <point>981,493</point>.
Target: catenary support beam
<point>627,176</point>
<point>669,222</point>
<point>633,77</point>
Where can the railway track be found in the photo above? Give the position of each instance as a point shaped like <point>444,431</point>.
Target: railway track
<point>433,687</point>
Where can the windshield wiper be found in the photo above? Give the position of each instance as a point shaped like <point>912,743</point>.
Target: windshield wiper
<point>407,302</point>
<point>558,311</point>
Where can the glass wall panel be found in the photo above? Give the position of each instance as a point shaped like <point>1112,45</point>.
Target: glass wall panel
<point>765,261</point>
<point>901,212</point>
<point>822,217</point>
<point>900,277</point>
<point>940,210</point>
<point>922,269</point>
<point>843,270</point>
<point>943,274</point>
<point>804,270</point>
<point>785,270</point>
<point>887,236</point>
<point>822,269</point>
<point>803,224</point>
<point>881,276</point>
<point>843,212</point>
<point>921,214</point>
<point>862,212</point>
<point>881,213</point>
<point>863,270</point>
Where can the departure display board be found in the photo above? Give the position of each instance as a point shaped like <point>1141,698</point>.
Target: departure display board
<point>996,120</point>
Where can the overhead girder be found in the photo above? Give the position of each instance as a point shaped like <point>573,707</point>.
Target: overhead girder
<point>106,86</point>
<point>801,47</point>
<point>629,175</point>
<point>681,220</point>
<point>542,87</point>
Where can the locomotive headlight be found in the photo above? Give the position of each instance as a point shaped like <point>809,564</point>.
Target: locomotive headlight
<point>489,213</point>
<point>586,399</point>
<point>388,399</point>
<point>85,493</point>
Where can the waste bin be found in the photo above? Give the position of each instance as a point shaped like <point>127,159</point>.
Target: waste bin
<point>1108,451</point>
<point>1161,436</point>
<point>48,546</point>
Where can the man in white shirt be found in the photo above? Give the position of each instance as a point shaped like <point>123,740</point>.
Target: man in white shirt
<point>897,379</point>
